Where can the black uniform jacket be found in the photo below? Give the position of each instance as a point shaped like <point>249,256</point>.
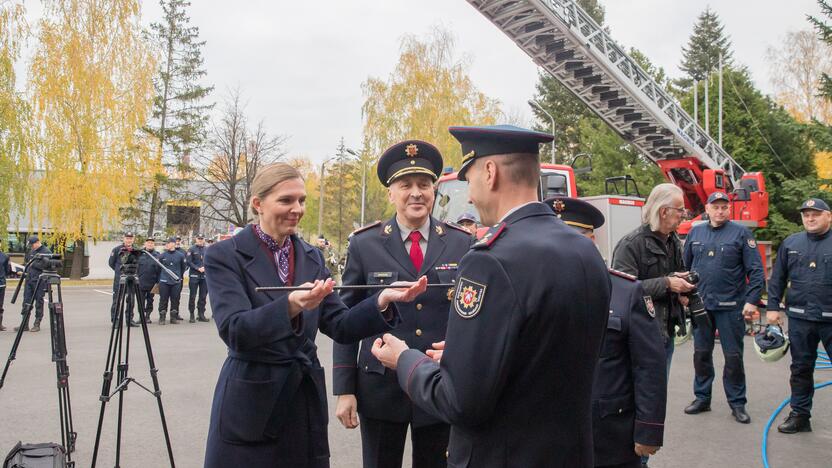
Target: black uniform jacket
<point>34,271</point>
<point>802,277</point>
<point>148,270</point>
<point>630,389</point>
<point>524,332</point>
<point>377,255</point>
<point>272,362</point>
<point>195,259</point>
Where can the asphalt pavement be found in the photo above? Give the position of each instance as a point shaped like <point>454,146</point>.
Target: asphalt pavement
<point>189,357</point>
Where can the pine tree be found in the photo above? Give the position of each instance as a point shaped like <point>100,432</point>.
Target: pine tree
<point>179,110</point>
<point>708,41</point>
<point>824,31</point>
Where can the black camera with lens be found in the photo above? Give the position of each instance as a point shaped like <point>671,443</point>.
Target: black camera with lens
<point>47,262</point>
<point>129,258</point>
<point>696,307</point>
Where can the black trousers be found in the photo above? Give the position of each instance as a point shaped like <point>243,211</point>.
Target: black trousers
<point>197,286</point>
<point>2,297</point>
<point>169,291</point>
<point>148,301</point>
<point>30,295</point>
<point>804,336</point>
<point>382,444</point>
<point>632,464</point>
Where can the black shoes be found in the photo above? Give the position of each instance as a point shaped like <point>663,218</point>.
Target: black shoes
<point>161,318</point>
<point>740,415</point>
<point>698,406</point>
<point>201,318</point>
<point>191,319</point>
<point>25,327</point>
<point>795,423</point>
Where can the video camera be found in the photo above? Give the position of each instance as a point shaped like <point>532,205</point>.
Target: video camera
<point>47,261</point>
<point>696,307</point>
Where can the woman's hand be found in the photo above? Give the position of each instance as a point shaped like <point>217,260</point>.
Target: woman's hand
<point>409,290</point>
<point>308,300</point>
<point>436,352</point>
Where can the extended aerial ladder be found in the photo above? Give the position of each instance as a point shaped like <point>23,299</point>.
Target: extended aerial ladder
<point>564,40</point>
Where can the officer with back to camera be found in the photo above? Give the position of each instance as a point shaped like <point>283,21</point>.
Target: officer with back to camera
<point>148,273</point>
<point>802,280</point>
<point>196,279</point>
<point>515,376</point>
<point>31,293</point>
<point>629,393</point>
<point>725,256</point>
<point>410,244</point>
<point>170,288</point>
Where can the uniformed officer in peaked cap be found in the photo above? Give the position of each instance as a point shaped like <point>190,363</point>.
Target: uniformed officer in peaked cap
<point>515,376</point>
<point>468,220</point>
<point>630,389</point>
<point>409,245</point>
<point>803,274</point>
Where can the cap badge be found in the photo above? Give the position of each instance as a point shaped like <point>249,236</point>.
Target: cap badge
<point>411,150</point>
<point>559,206</point>
<point>810,203</point>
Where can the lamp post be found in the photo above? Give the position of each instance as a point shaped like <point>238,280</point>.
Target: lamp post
<point>537,106</point>
<point>363,181</point>
<point>321,200</point>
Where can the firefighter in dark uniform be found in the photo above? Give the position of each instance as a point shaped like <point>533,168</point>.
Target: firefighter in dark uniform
<point>115,265</point>
<point>524,333</point>
<point>802,279</point>
<point>5,271</point>
<point>380,254</point>
<point>148,273</point>
<point>630,390</point>
<point>32,292</point>
<point>196,279</point>
<point>170,288</point>
<point>725,255</point>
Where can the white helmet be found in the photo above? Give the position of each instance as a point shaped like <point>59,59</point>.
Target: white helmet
<point>771,345</point>
<point>682,339</point>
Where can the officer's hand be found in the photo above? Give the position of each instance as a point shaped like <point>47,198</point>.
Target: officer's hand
<point>307,300</point>
<point>772,317</point>
<point>201,269</point>
<point>643,450</point>
<point>388,349</point>
<point>748,310</point>
<point>436,352</point>
<point>679,285</point>
<point>406,293</point>
<point>346,411</point>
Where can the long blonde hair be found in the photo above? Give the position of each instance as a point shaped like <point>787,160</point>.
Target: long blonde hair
<point>267,178</point>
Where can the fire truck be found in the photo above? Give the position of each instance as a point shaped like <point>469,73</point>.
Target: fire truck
<point>563,39</point>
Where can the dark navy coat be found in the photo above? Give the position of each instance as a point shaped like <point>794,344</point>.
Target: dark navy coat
<point>377,255</point>
<point>524,332</point>
<point>195,258</point>
<point>34,271</point>
<point>175,261</point>
<point>802,277</point>
<point>270,406</point>
<point>148,270</point>
<point>630,390</point>
<point>5,269</point>
<point>724,257</point>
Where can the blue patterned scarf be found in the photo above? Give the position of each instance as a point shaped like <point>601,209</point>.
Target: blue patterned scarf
<point>281,252</point>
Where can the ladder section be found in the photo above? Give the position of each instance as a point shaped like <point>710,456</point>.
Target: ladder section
<point>564,40</point>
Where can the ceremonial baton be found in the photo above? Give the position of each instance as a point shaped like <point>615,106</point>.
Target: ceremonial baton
<point>352,286</point>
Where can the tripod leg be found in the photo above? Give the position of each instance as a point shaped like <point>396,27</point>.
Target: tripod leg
<point>59,356</point>
<point>157,392</point>
<point>27,310</point>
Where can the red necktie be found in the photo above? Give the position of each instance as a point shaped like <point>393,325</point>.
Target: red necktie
<point>416,255</point>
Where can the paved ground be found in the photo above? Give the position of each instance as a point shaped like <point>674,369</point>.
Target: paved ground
<point>189,357</point>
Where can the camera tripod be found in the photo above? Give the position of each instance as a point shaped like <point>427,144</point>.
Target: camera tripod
<point>128,294</point>
<point>49,279</point>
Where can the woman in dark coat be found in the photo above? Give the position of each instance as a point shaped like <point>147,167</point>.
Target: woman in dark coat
<point>270,406</point>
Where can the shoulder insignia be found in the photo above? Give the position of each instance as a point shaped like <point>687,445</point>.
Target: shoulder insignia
<point>469,298</point>
<point>457,227</point>
<point>752,243</point>
<point>648,303</point>
<point>439,230</point>
<point>489,237</point>
<point>621,274</point>
<point>364,228</point>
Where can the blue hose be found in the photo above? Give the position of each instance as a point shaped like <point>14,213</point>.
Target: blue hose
<point>777,411</point>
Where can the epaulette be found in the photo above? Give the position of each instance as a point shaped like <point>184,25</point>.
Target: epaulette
<point>489,237</point>
<point>457,227</point>
<point>364,228</point>
<point>621,274</point>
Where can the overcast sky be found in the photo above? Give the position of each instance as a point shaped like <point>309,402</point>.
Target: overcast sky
<point>300,64</point>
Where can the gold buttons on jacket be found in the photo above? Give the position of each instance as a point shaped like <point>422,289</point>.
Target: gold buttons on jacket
<point>418,332</point>
<point>418,306</point>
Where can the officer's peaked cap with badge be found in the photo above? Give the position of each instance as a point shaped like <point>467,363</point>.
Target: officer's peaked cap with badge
<point>575,212</point>
<point>814,204</point>
<point>478,142</point>
<point>409,157</point>
<point>717,196</point>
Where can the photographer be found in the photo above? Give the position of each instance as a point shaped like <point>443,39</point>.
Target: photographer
<point>653,254</point>
<point>115,264</point>
<point>724,254</point>
<point>148,273</point>
<point>30,294</point>
<point>5,270</point>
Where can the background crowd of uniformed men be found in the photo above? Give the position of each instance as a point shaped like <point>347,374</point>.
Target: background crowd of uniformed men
<point>498,339</point>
